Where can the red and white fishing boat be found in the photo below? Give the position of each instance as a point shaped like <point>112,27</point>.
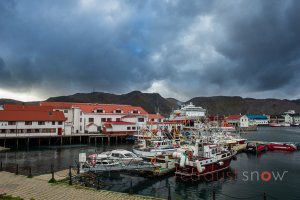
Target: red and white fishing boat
<point>205,160</point>
<point>281,146</point>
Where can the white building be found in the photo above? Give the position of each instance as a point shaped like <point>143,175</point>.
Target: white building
<point>259,120</point>
<point>31,121</point>
<point>101,118</point>
<point>238,120</point>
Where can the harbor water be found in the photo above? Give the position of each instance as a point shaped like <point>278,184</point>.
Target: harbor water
<point>245,178</point>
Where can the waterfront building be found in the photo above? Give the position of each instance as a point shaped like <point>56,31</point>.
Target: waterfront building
<point>103,118</point>
<point>31,121</point>
<point>259,120</point>
<point>238,120</point>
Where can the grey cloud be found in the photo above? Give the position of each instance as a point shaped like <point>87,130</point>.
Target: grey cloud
<point>220,47</point>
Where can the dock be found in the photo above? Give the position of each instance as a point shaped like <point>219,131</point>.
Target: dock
<point>15,140</point>
<point>39,189</point>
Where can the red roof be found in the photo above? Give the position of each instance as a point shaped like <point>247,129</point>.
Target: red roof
<point>90,107</point>
<point>133,116</point>
<point>13,115</point>
<point>90,124</point>
<point>155,116</point>
<point>57,105</point>
<point>120,123</point>
<point>234,117</point>
<point>27,107</point>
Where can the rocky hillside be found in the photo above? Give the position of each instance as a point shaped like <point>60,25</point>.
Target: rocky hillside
<point>153,102</point>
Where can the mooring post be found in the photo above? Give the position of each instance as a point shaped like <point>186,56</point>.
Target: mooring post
<point>131,187</point>
<point>78,168</point>
<point>264,196</point>
<point>17,169</point>
<point>29,173</point>
<point>98,183</point>
<point>169,192</point>
<point>214,194</point>
<point>52,171</point>
<point>1,167</point>
<point>70,175</point>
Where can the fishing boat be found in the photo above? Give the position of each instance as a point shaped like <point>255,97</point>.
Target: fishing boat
<point>204,160</point>
<point>255,147</point>
<point>146,148</point>
<point>281,146</point>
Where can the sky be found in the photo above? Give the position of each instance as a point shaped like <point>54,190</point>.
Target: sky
<point>177,48</point>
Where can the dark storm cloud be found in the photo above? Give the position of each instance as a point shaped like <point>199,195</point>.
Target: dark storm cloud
<point>180,48</point>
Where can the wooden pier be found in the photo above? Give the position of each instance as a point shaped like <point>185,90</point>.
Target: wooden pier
<point>26,141</point>
<point>39,189</point>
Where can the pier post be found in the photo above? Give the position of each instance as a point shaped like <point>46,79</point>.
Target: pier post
<point>98,183</point>
<point>52,180</point>
<point>49,141</point>
<point>80,139</point>
<point>17,143</point>
<point>1,167</point>
<point>29,173</point>
<point>78,168</point>
<point>89,140</point>
<point>102,141</point>
<point>28,142</point>
<point>264,196</point>
<point>70,175</point>
<point>4,143</point>
<point>214,194</point>
<point>70,139</point>
<point>61,140</point>
<point>131,187</point>
<point>17,169</point>
<point>39,142</point>
<point>169,192</point>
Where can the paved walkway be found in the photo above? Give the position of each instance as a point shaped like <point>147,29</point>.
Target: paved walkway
<point>40,189</point>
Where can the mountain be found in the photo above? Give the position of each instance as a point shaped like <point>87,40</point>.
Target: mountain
<point>154,102</point>
<point>151,102</point>
<point>225,105</point>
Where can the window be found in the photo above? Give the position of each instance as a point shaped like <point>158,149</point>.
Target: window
<point>91,120</point>
<point>65,111</point>
<point>128,128</point>
<point>80,119</point>
<point>118,111</point>
<point>109,119</point>
<point>11,123</point>
<point>41,123</point>
<point>28,123</point>
<point>53,123</point>
<point>80,113</point>
<point>99,111</point>
<point>133,128</point>
<point>135,111</point>
<point>59,123</point>
<point>80,128</point>
<point>141,119</point>
<point>103,119</point>
<point>118,119</point>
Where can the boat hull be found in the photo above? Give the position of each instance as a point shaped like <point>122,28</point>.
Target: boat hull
<point>191,173</point>
<point>281,147</point>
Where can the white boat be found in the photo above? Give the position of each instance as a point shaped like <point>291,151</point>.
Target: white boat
<point>98,160</point>
<point>154,147</point>
<point>123,156</point>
